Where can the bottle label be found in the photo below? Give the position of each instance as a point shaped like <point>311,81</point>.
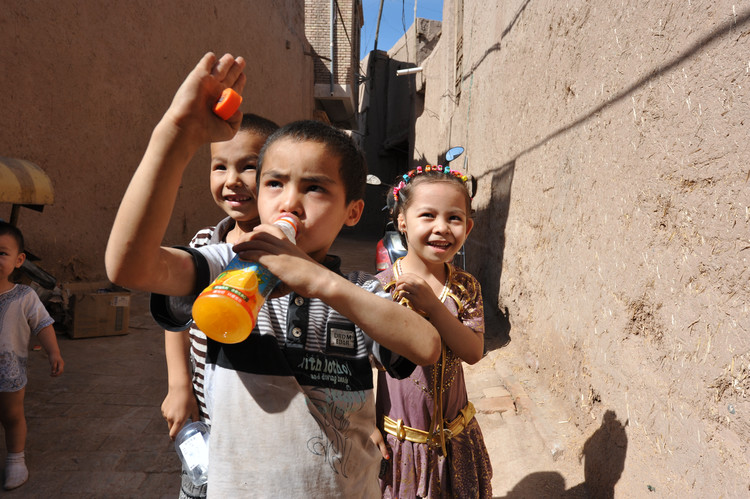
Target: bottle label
<point>266,280</point>
<point>249,299</point>
<point>194,451</point>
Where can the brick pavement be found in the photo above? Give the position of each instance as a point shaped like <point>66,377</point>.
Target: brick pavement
<point>97,431</point>
<point>532,445</point>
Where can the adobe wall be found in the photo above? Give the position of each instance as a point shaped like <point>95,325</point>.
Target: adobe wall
<point>613,214</point>
<point>84,83</point>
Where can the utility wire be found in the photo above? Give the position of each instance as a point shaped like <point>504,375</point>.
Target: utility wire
<point>346,32</point>
<point>377,28</point>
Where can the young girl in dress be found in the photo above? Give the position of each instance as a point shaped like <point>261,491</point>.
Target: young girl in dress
<point>433,442</point>
<point>21,315</point>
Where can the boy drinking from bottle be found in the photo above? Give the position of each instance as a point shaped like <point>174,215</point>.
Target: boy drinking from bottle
<point>292,406</point>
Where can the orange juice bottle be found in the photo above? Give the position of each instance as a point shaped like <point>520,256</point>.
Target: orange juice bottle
<point>226,311</point>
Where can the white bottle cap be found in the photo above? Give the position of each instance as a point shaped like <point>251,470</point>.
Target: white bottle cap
<point>289,224</point>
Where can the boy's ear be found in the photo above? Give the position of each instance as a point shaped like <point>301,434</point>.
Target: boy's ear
<point>20,259</point>
<point>354,212</point>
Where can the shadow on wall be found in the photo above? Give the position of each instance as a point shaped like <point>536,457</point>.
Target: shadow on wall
<point>485,254</point>
<point>604,453</point>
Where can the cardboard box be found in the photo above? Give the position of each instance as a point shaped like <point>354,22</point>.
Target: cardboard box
<point>98,309</point>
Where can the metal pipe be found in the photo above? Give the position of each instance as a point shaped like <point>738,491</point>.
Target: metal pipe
<point>333,57</point>
<point>408,71</point>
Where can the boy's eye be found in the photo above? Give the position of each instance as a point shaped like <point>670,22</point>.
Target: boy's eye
<point>273,183</point>
<point>218,167</point>
<point>251,166</point>
<point>316,188</point>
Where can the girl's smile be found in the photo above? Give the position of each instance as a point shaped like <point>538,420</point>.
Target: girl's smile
<point>439,245</point>
<point>436,222</point>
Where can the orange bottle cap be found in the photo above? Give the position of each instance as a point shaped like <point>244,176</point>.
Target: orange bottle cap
<point>228,104</point>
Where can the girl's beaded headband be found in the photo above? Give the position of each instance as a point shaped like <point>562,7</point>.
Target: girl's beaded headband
<point>429,168</point>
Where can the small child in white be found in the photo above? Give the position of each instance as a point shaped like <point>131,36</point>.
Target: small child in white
<point>21,314</point>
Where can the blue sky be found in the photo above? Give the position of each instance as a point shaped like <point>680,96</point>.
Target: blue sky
<point>392,22</point>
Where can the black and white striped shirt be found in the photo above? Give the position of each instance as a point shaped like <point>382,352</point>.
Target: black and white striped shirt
<point>209,235</point>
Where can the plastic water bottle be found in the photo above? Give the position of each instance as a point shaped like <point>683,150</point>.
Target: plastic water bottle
<point>191,445</point>
<point>227,310</point>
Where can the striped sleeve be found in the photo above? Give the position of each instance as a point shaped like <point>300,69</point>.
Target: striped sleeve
<point>198,340</point>
<point>202,237</point>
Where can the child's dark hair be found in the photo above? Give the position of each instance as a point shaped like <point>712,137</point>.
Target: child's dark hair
<point>257,124</point>
<point>14,232</point>
<point>352,166</point>
<point>400,196</point>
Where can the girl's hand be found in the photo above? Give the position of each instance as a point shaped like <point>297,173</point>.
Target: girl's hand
<point>466,343</point>
<point>418,292</point>
<point>179,405</point>
<point>56,364</point>
<point>191,110</point>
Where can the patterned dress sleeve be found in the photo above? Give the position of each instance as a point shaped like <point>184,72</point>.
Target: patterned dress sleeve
<point>470,304</point>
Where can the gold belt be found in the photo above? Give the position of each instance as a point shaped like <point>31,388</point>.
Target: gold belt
<point>450,428</point>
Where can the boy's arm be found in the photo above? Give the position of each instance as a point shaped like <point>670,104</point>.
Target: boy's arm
<point>48,339</point>
<point>134,256</point>
<point>180,402</point>
<point>393,326</point>
<point>397,328</point>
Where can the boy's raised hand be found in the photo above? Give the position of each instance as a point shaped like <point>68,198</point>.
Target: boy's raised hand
<point>134,257</point>
<point>191,110</point>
